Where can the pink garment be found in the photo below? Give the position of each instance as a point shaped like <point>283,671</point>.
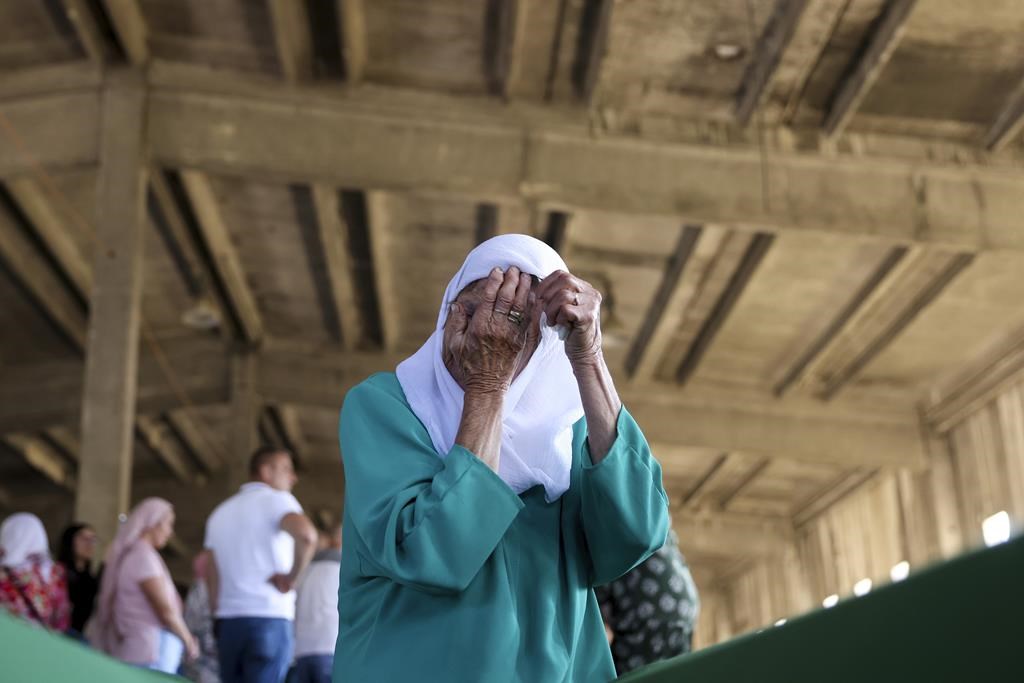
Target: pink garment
<point>125,625</point>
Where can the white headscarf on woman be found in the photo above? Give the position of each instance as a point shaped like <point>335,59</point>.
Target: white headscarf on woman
<point>23,543</point>
<point>542,403</point>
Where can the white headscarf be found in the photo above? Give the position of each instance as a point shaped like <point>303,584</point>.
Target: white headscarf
<point>541,405</point>
<point>23,543</point>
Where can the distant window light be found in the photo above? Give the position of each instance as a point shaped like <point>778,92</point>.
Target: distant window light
<point>862,587</point>
<point>780,622</point>
<point>899,571</point>
<point>830,601</point>
<point>996,529</point>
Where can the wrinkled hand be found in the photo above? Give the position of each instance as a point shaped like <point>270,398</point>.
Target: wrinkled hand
<point>282,582</point>
<point>482,347</point>
<point>568,300</point>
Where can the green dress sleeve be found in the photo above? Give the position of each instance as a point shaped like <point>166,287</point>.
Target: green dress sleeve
<point>423,521</point>
<point>623,508</point>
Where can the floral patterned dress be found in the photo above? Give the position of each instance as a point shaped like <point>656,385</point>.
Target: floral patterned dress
<point>37,595</point>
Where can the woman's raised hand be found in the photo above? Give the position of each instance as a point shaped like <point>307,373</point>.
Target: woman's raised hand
<point>486,333</point>
<point>567,300</point>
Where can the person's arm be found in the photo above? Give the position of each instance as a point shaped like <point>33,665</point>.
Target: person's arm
<point>212,580</point>
<point>301,529</point>
<point>423,521</point>
<point>624,509</point>
<point>168,613</point>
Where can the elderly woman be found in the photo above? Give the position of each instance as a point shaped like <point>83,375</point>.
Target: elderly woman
<point>138,615</point>
<point>491,482</point>
<point>32,586</point>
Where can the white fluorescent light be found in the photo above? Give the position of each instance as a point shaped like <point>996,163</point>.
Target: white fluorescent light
<point>862,587</point>
<point>780,622</point>
<point>996,529</point>
<point>899,571</point>
<point>830,601</point>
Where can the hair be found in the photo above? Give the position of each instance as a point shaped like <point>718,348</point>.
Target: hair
<point>66,551</point>
<point>263,455</point>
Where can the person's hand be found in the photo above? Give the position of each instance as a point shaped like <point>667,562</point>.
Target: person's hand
<point>282,582</point>
<point>482,346</point>
<point>568,300</point>
<point>191,648</point>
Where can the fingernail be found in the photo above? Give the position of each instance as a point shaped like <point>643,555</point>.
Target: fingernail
<point>495,270</point>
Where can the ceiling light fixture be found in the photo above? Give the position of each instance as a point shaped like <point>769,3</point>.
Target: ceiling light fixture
<point>862,587</point>
<point>727,52</point>
<point>830,601</point>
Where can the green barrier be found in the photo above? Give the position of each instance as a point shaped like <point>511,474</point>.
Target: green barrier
<point>32,655</point>
<point>958,622</point>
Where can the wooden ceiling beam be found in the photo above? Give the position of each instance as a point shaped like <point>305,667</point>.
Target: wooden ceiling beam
<point>810,432</point>
<point>294,39</point>
<point>169,218</point>
<point>184,425</point>
<point>130,26</point>
<point>47,395</point>
<point>27,265</point>
<point>731,535</point>
<point>1009,123</point>
<point>765,60</point>
<point>226,260</point>
<point>333,232</point>
<point>354,47</point>
<point>155,434</point>
<point>875,53</point>
<point>87,29</point>
<point>42,395</point>
<point>40,207</point>
<point>503,43</point>
<point>54,130</point>
<point>379,230</point>
<point>595,25</point>
<point>472,148</point>
<point>43,458</point>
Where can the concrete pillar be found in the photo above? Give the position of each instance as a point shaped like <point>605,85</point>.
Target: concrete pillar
<point>112,345</point>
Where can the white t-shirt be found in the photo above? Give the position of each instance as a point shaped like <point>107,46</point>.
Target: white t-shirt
<point>316,611</point>
<point>244,533</point>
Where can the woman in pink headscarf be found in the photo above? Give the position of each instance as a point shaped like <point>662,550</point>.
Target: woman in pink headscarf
<point>138,615</point>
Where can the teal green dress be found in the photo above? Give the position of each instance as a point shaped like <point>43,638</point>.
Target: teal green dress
<point>448,575</point>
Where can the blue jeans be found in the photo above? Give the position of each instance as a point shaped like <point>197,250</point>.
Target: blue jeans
<point>254,649</point>
<point>313,669</point>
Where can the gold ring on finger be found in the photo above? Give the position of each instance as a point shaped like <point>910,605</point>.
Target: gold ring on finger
<point>516,317</point>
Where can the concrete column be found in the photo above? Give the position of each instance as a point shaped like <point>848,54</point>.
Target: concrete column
<point>112,345</point>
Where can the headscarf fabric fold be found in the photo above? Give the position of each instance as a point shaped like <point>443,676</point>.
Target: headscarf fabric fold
<point>541,405</point>
<point>23,543</point>
<point>103,629</point>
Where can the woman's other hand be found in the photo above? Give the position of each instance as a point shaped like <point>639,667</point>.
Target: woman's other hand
<point>191,648</point>
<point>567,300</point>
<point>486,331</point>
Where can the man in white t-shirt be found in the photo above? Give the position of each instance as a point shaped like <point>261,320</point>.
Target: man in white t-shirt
<point>259,544</point>
<point>316,614</point>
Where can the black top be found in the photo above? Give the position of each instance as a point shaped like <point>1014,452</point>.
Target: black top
<point>82,586</point>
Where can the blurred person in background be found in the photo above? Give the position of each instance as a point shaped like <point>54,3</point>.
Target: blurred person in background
<point>259,542</point>
<point>651,612</point>
<point>32,586</point>
<point>138,616</point>
<point>199,619</point>
<point>316,614</point>
<point>76,554</point>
